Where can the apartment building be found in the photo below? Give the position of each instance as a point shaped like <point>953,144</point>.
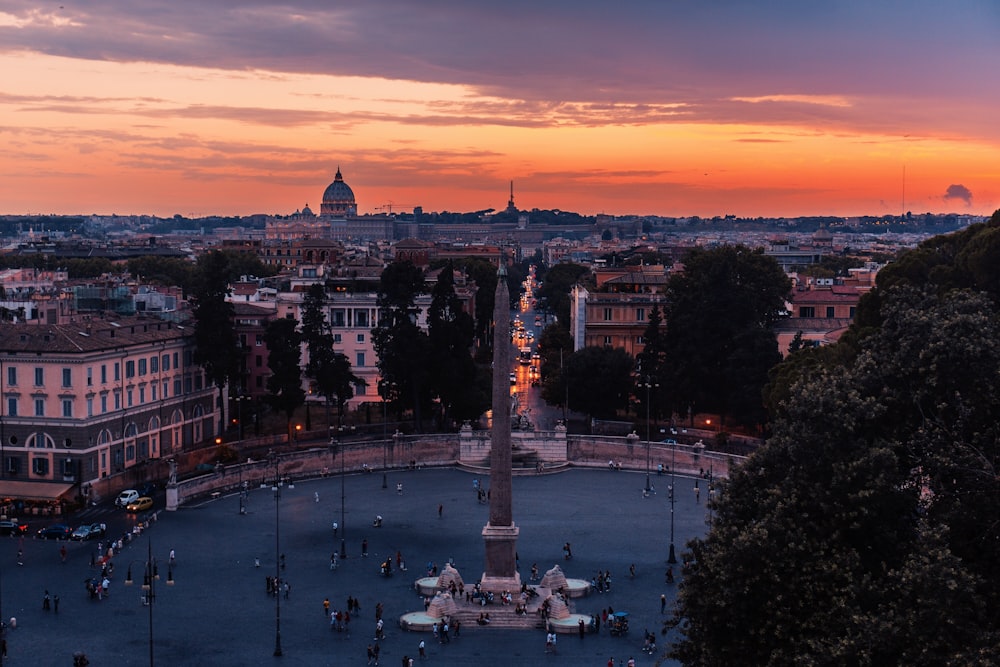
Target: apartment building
<point>87,400</point>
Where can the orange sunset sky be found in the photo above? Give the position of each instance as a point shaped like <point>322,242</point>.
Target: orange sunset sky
<point>674,108</point>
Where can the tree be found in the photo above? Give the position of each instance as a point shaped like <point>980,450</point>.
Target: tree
<point>284,384</point>
<point>719,317</point>
<point>650,363</point>
<point>217,348</point>
<point>871,510</point>
<point>600,380</point>
<point>555,345</point>
<point>330,371</point>
<point>453,371</point>
<point>553,295</point>
<point>402,347</point>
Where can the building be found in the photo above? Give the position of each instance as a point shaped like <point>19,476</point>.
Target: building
<point>81,402</point>
<point>617,315</point>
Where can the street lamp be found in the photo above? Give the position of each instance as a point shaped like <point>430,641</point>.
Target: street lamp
<point>150,576</point>
<point>276,488</point>
<point>672,558</point>
<point>649,384</point>
<point>343,495</point>
<point>383,389</point>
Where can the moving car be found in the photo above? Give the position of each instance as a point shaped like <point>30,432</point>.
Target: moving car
<point>125,497</point>
<point>89,531</point>
<point>13,527</point>
<point>139,504</point>
<point>58,531</point>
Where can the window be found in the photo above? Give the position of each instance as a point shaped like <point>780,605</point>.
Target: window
<point>176,357</point>
<point>360,389</point>
<point>166,388</point>
<point>142,395</point>
<point>90,376</point>
<point>607,314</point>
<point>118,371</point>
<point>607,341</point>
<point>152,392</point>
<point>338,317</point>
<point>13,465</point>
<point>67,467</point>
<point>67,407</point>
<point>130,369</point>
<point>40,466</point>
<point>852,312</point>
<point>118,401</point>
<point>104,403</point>
<point>640,314</point>
<point>142,367</point>
<point>187,358</point>
<point>67,377</point>
<point>130,453</point>
<point>258,340</point>
<point>129,398</point>
<point>361,318</point>
<point>337,338</point>
<point>39,407</point>
<point>11,375</point>
<point>188,385</point>
<point>807,311</point>
<point>104,373</point>
<point>154,364</point>
<point>90,407</point>
<point>830,311</point>
<point>361,338</point>
<point>39,377</point>
<point>177,387</point>
<point>360,359</point>
<point>11,407</point>
<point>166,363</point>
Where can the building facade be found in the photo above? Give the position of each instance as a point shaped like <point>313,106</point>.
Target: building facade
<point>82,402</point>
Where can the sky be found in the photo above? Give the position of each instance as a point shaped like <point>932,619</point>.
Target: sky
<point>662,107</point>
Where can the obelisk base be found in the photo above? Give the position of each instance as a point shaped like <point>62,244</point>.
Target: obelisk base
<point>501,559</point>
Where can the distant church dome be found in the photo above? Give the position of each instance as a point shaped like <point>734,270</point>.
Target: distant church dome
<point>339,198</point>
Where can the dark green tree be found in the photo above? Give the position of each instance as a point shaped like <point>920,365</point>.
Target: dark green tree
<point>650,365</point>
<point>870,511</point>
<point>452,369</point>
<point>600,381</point>
<point>217,346</point>
<point>555,346</point>
<point>402,347</point>
<point>553,295</point>
<point>719,317</point>
<point>284,384</point>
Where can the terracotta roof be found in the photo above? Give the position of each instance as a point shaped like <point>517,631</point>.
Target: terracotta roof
<point>92,336</point>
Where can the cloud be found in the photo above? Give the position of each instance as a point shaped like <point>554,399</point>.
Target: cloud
<point>958,192</point>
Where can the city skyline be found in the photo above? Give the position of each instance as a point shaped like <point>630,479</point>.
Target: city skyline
<point>663,108</point>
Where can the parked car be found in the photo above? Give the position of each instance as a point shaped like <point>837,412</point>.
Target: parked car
<point>59,531</point>
<point>125,497</point>
<point>139,504</point>
<point>89,531</point>
<point>13,527</point>
<point>147,489</point>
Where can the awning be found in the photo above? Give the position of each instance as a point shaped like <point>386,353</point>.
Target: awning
<point>33,490</point>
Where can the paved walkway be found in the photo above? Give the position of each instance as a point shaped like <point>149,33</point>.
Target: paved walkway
<point>219,613</point>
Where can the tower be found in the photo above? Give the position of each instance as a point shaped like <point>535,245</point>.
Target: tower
<point>500,533</point>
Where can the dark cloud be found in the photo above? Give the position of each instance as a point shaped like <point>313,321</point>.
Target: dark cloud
<point>959,192</point>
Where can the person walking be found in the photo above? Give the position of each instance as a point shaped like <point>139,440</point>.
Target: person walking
<point>440,510</point>
<point>62,553</point>
<point>422,649</point>
<point>364,547</point>
<point>326,606</point>
<point>663,603</point>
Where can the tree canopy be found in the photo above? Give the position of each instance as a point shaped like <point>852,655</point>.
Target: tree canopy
<point>719,315</point>
<point>217,347</point>
<point>864,531</point>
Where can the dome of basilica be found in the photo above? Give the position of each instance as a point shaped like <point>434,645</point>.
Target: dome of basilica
<point>338,199</point>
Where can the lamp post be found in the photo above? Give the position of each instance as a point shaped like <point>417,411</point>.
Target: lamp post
<point>671,557</point>
<point>151,575</point>
<point>649,384</point>
<point>343,494</point>
<point>383,389</point>
<point>276,488</point>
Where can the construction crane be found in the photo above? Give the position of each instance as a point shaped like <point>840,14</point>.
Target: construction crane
<point>387,207</point>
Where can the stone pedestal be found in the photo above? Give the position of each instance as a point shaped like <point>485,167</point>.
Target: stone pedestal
<point>172,499</point>
<point>501,559</point>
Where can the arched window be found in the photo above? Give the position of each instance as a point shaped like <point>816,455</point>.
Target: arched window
<point>104,437</point>
<point>154,424</point>
<point>131,430</point>
<point>40,441</point>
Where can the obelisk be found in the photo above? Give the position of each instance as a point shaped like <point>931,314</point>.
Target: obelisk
<point>500,533</point>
